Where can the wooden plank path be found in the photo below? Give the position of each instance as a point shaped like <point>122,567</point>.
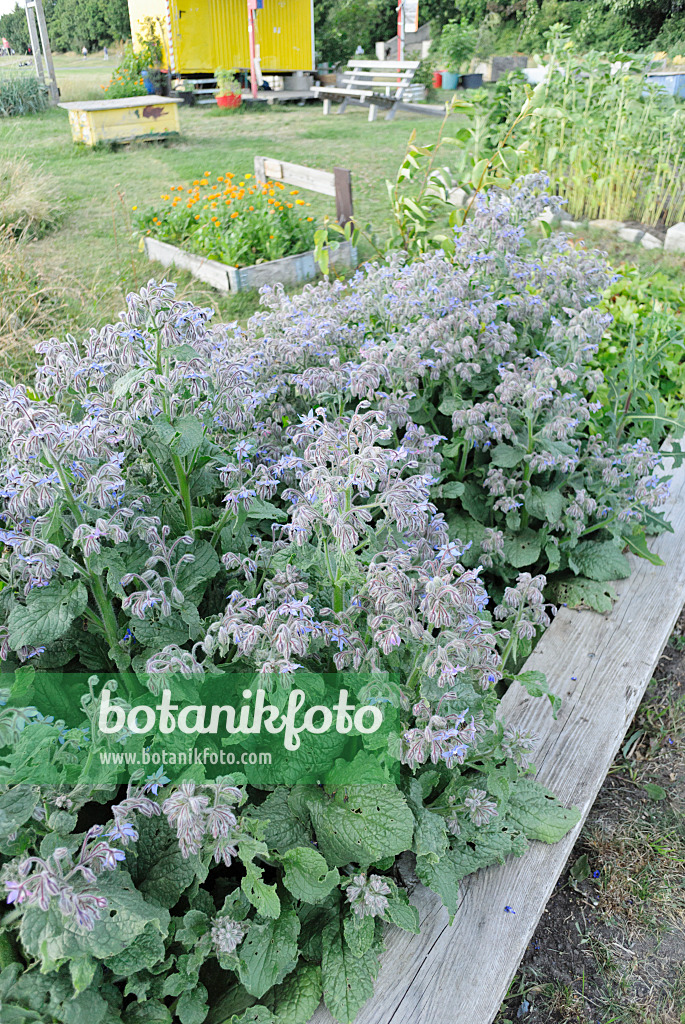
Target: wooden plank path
<point>600,665</point>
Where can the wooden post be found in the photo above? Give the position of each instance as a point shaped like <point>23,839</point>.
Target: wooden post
<point>343,195</point>
<point>326,106</point>
<point>400,30</point>
<point>47,52</point>
<point>35,44</point>
<point>373,110</point>
<point>251,8</point>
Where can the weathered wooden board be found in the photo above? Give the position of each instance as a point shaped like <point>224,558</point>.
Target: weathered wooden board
<point>600,665</point>
<point>295,174</point>
<point>291,270</point>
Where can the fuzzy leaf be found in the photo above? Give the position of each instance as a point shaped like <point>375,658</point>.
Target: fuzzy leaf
<point>268,952</point>
<point>192,575</point>
<point>372,823</point>
<point>307,875</point>
<point>538,813</point>
<point>296,998</point>
<point>535,685</point>
<point>262,896</point>
<point>16,807</point>
<point>442,878</point>
<point>47,614</point>
<point>54,938</point>
<point>192,1007</point>
<point>347,979</point>
<point>284,830</point>
<point>580,591</point>
<point>157,866</point>
<point>359,933</point>
<point>543,504</point>
<point>601,561</point>
<point>401,912</point>
<point>523,549</point>
<point>505,456</point>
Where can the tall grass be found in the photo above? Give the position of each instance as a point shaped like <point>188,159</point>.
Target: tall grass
<point>613,145</point>
<point>21,93</point>
<point>30,201</point>
<point>31,307</point>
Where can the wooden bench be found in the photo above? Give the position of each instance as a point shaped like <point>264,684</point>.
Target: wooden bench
<point>372,83</point>
<point>600,666</point>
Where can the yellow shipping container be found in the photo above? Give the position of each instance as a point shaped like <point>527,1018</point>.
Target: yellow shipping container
<point>202,35</point>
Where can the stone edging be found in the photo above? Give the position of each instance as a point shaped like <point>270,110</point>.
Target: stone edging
<point>675,236</point>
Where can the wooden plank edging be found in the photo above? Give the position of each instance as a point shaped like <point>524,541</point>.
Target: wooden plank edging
<point>600,665</point>
<point>291,270</point>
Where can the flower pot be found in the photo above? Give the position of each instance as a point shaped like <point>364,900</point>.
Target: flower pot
<point>232,100</point>
<point>437,79</point>
<point>450,79</point>
<point>471,81</point>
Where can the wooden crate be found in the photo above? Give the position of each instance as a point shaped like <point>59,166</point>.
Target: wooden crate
<point>600,666</point>
<point>137,117</point>
<point>290,271</point>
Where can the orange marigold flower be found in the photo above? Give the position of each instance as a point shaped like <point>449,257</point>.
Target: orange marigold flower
<point>289,205</point>
<point>197,216</point>
<point>250,207</point>
<point>310,218</point>
<point>294,192</point>
<point>299,202</point>
<point>234,214</point>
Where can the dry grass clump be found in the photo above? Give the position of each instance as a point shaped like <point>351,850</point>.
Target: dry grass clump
<point>30,308</point>
<point>30,201</point>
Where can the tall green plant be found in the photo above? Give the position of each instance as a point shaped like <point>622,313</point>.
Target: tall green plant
<point>613,143</point>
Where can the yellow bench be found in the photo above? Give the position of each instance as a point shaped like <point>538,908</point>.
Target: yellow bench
<point>137,117</point>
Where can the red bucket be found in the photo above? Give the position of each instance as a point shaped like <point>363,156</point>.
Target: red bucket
<point>437,79</point>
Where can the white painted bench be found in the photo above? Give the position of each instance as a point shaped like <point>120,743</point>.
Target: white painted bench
<point>600,666</point>
<point>372,83</point>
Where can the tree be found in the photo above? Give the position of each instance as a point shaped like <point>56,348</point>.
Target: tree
<point>14,28</point>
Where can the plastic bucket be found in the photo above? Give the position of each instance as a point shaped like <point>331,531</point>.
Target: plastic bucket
<point>450,79</point>
<point>437,79</point>
<point>472,81</point>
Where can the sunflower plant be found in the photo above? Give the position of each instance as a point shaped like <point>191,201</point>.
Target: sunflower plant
<point>235,221</point>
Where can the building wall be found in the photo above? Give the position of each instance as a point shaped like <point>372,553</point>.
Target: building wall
<point>207,34</point>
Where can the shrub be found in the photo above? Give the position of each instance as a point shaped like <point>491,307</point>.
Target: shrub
<point>236,222</point>
<point>30,203</point>
<point>21,94</point>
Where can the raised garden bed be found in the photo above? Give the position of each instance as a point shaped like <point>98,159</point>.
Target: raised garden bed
<point>600,665</point>
<point>291,270</point>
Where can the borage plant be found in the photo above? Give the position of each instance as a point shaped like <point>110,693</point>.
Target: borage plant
<point>492,349</point>
<point>172,518</point>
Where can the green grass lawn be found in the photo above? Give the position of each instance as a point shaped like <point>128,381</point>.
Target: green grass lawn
<point>94,255</point>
